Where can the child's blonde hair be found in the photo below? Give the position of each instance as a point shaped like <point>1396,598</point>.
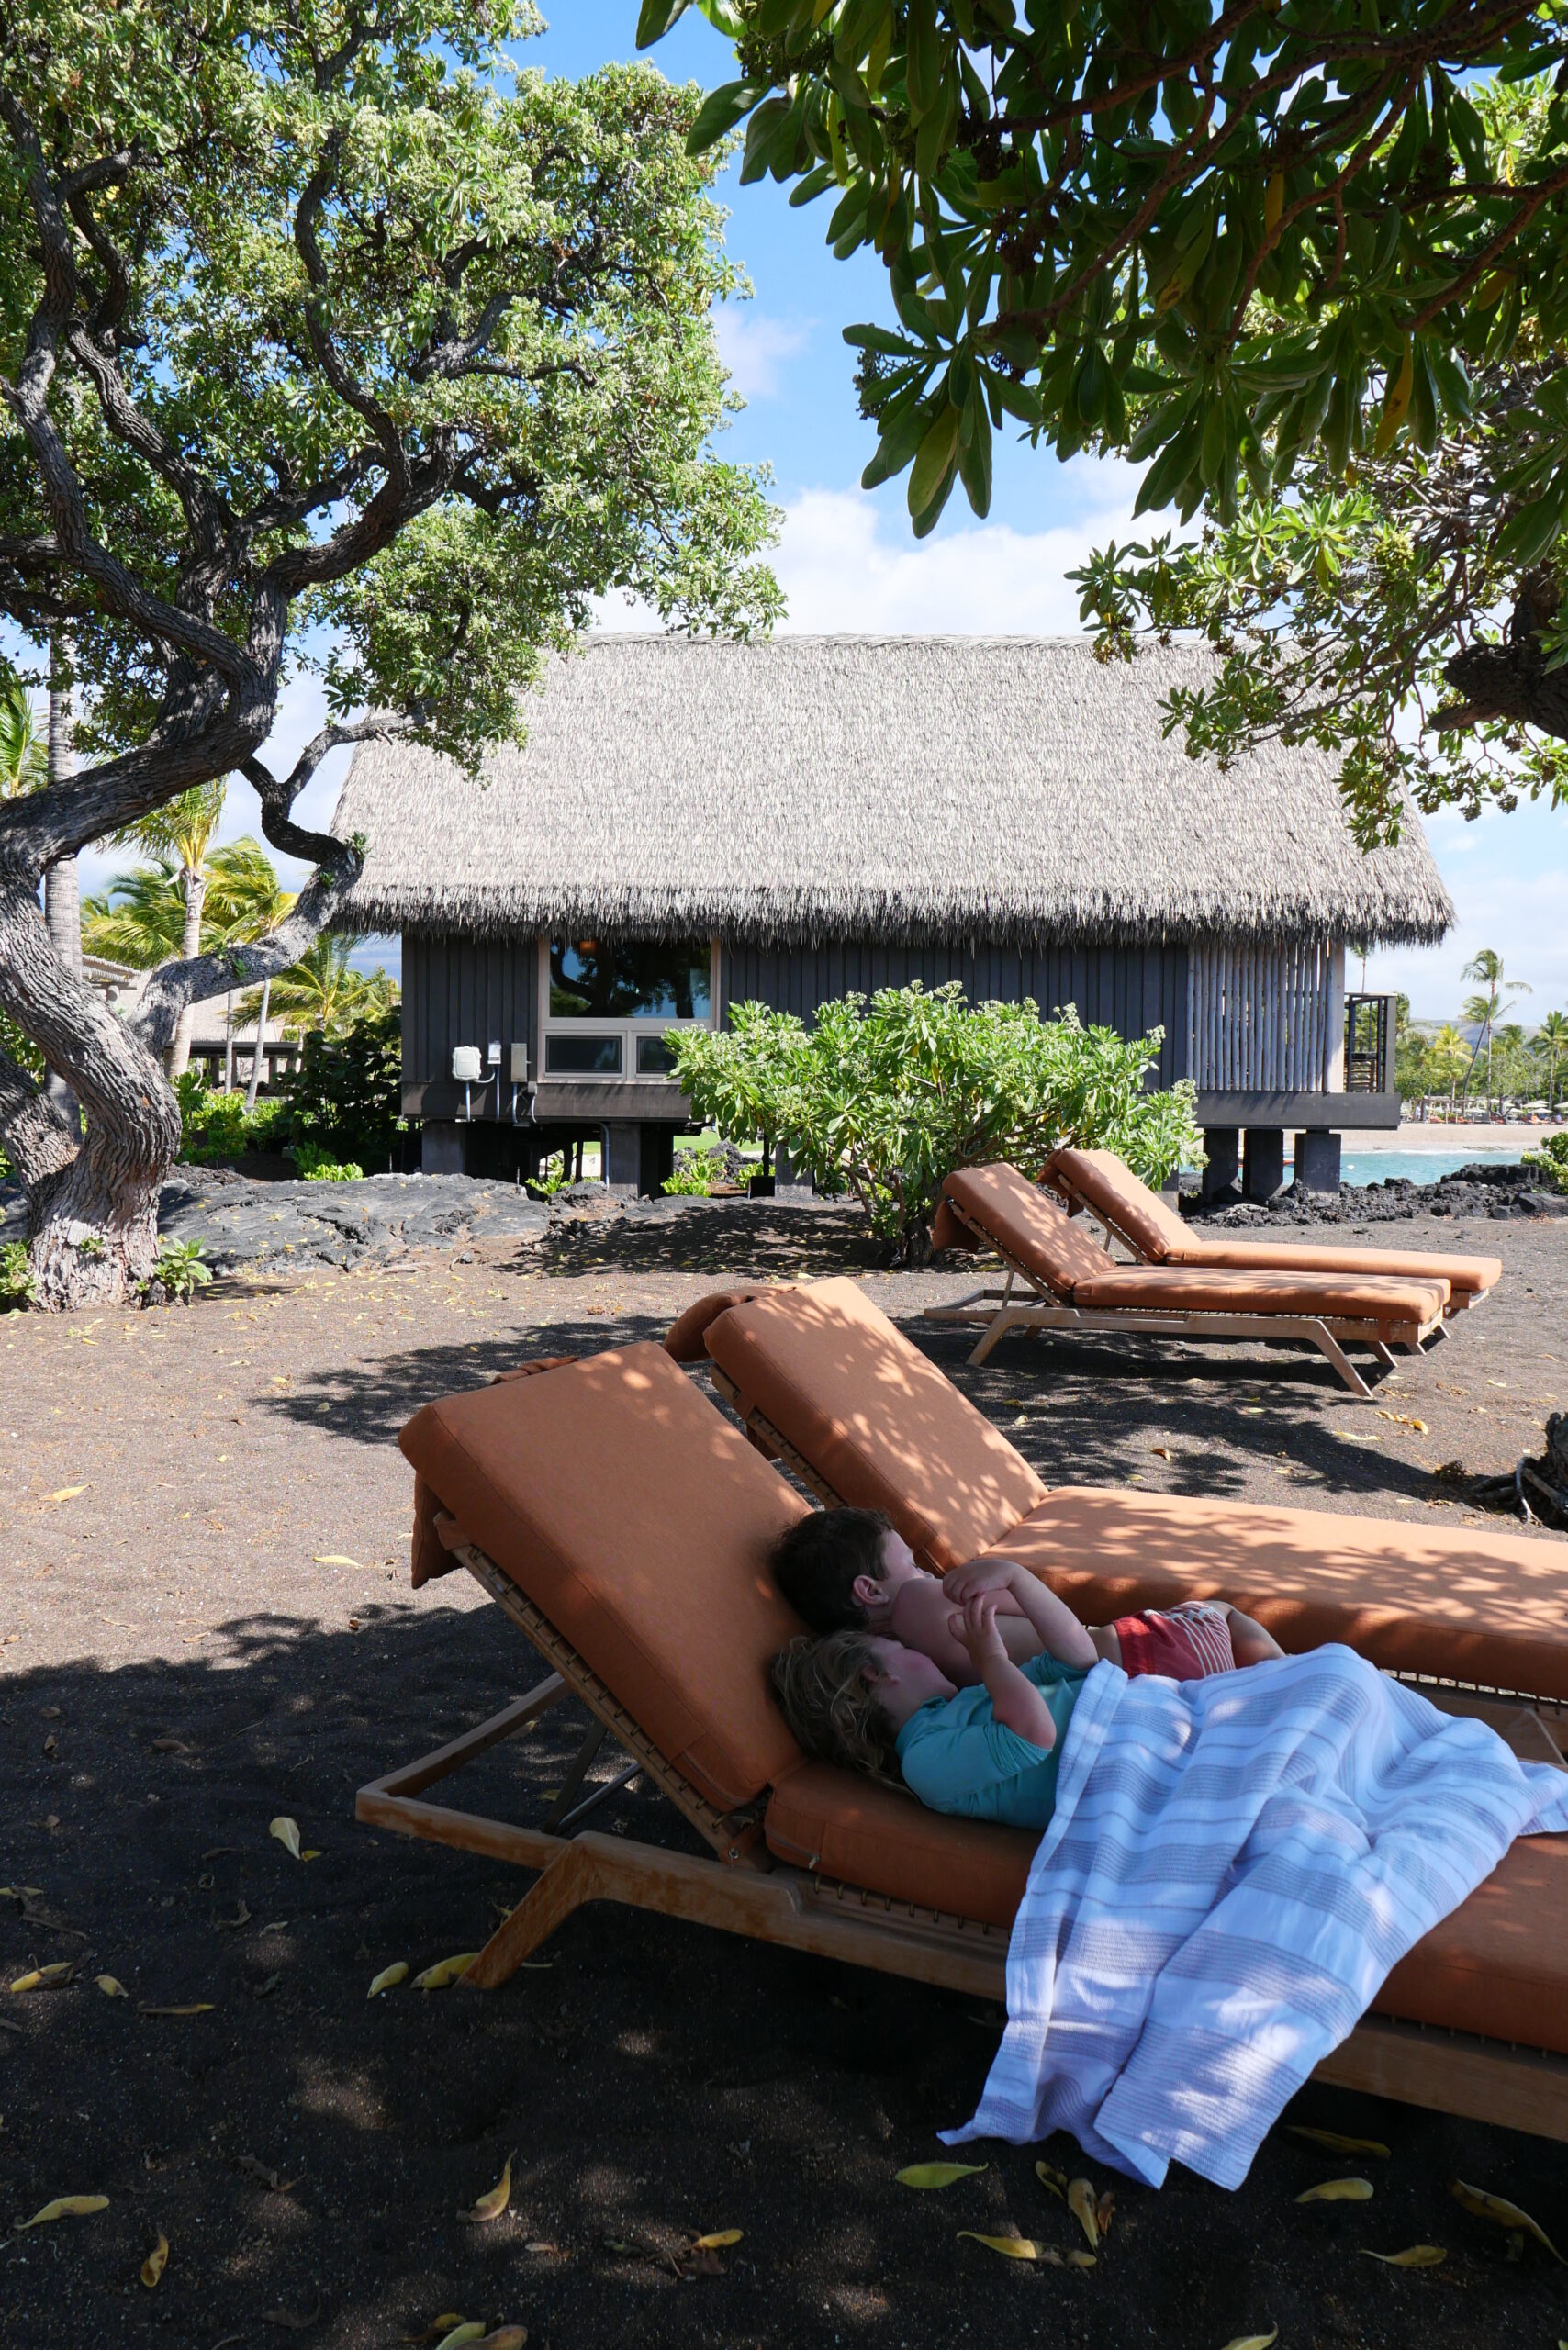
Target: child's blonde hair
<point>824,1688</point>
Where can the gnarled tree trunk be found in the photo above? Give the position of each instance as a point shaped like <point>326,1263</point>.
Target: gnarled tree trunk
<point>93,1205</point>
<point>61,883</point>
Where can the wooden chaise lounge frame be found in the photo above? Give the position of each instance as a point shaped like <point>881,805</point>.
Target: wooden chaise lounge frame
<point>745,1890</point>
<point>1042,1309</point>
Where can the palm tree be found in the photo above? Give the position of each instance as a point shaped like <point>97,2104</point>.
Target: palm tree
<point>142,917</point>
<point>1487,966</point>
<point>1446,1056</point>
<point>24,754</point>
<point>323,991</point>
<point>183,829</point>
<point>1550,1046</point>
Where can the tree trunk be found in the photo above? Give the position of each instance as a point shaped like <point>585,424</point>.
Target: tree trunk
<point>92,1208</point>
<point>229,1040</point>
<point>261,1040</point>
<point>61,883</point>
<point>194,886</point>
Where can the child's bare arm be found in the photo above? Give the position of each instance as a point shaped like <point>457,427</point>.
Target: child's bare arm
<point>1016,1703</point>
<point>1061,1634</point>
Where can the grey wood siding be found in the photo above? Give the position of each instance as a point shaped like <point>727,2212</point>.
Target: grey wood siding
<point>1129,988</point>
<point>461,990</point>
<point>464,991</point>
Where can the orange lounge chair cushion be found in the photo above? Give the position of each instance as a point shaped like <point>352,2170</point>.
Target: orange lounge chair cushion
<point>1113,1192</point>
<point>1028,1225</point>
<point>878,1421</point>
<point>684,1340</point>
<point>857,1832</point>
<point>1497,1966</point>
<point>639,1520</point>
<point>1466,1276</point>
<point>1109,1187</point>
<point>1203,1289</point>
<point>1462,1605</point>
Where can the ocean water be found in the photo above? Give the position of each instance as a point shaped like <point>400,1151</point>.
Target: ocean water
<point>1416,1166</point>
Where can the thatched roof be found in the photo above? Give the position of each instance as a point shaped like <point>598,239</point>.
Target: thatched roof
<point>916,787</point>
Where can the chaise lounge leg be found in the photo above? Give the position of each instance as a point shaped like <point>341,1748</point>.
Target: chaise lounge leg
<point>1322,1337</point>
<point>568,1881</point>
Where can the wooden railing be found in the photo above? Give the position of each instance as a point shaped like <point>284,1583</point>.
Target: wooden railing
<point>1369,1043</point>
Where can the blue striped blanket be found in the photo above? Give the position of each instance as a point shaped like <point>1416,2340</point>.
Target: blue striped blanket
<point>1233,1867</point>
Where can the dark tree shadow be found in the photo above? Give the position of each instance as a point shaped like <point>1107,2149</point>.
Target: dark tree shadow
<point>651,2080</point>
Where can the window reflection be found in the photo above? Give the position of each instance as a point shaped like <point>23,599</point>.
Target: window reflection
<point>630,980</point>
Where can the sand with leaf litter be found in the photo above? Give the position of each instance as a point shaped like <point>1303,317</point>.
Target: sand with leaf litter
<point>208,1628</point>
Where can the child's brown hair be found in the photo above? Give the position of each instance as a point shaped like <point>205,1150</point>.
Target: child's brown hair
<point>815,1562</point>
<point>824,1688</point>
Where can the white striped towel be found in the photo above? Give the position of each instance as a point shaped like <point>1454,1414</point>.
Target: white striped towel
<point>1233,1866</point>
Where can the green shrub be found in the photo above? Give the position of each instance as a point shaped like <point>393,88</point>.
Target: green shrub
<point>317,1166</point>
<point>885,1098</point>
<point>17,1286</point>
<point>217,1125</point>
<point>693,1176</point>
<point>345,1095</point>
<point>179,1271</point>
<point>1551,1160</point>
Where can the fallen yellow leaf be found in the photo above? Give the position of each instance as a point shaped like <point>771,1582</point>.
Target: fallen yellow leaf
<point>1054,2179</point>
<point>1081,2260</point>
<point>311,1853</point>
<point>110,1987</point>
<point>1339,2191</point>
<point>492,2206</point>
<point>1013,2247</point>
<point>389,1978</point>
<point>1163,1450</point>
<point>435,2329</point>
<point>1254,2340</point>
<point>719,2242</point>
<point>286,1831</point>
<point>471,2330</point>
<point>153,2267</point>
<point>1507,2214</point>
<point>446,1970</point>
<point>66,2207</point>
<point>1080,2203</point>
<point>57,1971</point>
<point>1334,2144</point>
<point>1416,2255</point>
<point>192,2007</point>
<point>334,1559</point>
<point>66,1494</point>
<point>504,2337</point>
<point>936,2174</point>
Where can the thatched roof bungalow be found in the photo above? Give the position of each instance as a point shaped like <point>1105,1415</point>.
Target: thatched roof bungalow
<point>691,823</point>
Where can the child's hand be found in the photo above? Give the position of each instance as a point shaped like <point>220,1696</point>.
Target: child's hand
<point>979,1574</point>
<point>975,1626</point>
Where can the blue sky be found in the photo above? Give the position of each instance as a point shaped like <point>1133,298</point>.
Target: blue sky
<point>847,559</point>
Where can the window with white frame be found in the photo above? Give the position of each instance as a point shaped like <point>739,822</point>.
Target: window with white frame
<point>606,1003</point>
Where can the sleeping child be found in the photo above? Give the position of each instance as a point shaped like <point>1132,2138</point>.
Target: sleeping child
<point>987,1751</point>
<point>848,1570</point>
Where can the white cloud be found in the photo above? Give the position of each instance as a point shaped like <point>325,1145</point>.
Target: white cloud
<point>754,348</point>
<point>847,563</point>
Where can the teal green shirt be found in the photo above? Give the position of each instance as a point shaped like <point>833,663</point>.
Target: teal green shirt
<point>956,1756</point>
